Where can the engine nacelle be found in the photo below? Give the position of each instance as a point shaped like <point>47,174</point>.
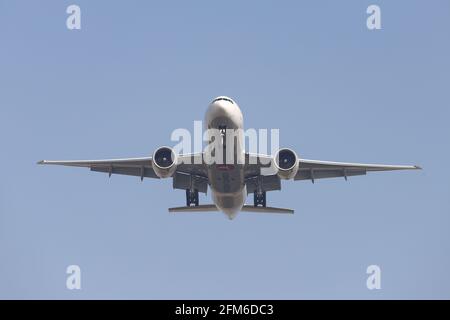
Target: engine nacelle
<point>286,163</point>
<point>164,162</point>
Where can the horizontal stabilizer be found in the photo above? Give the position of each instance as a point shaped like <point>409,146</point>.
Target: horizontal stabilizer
<point>246,208</point>
<point>200,208</point>
<point>249,208</point>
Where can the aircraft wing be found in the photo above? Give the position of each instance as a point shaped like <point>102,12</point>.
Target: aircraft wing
<point>317,169</point>
<point>140,167</point>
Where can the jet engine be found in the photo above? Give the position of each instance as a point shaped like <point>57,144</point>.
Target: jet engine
<point>286,163</point>
<point>164,162</point>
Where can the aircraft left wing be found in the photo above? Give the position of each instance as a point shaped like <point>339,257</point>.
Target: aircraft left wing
<point>317,169</point>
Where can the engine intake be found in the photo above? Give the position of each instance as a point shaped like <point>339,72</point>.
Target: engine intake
<point>164,162</point>
<point>286,162</point>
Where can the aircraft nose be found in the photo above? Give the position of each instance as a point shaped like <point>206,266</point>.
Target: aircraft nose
<point>224,113</point>
<point>222,108</point>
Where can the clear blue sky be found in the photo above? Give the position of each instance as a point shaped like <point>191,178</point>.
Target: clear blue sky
<point>139,69</point>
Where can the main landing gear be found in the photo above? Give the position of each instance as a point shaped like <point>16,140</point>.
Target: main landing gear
<point>259,198</point>
<point>191,197</point>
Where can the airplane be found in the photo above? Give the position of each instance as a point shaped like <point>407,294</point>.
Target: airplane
<point>230,183</point>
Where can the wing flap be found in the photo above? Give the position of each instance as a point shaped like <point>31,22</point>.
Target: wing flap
<point>321,174</point>
<point>129,171</point>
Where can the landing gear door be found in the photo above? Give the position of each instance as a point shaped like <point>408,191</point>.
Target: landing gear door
<point>186,181</point>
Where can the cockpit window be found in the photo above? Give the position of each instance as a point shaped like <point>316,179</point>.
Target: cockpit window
<point>223,98</point>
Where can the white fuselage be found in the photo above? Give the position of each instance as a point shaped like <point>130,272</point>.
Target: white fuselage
<point>227,177</point>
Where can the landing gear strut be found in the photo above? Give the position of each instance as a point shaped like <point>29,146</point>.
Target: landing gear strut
<point>259,198</point>
<point>191,197</point>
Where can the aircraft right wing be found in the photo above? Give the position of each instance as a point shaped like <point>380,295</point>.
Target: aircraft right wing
<point>140,167</point>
